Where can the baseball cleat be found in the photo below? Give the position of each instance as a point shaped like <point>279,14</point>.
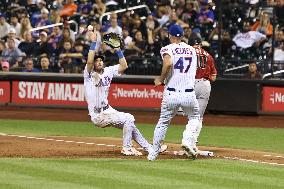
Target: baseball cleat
<point>152,156</point>
<point>189,151</point>
<point>164,147</point>
<point>130,151</point>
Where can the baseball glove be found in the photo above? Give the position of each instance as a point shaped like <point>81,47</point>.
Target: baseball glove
<point>113,40</point>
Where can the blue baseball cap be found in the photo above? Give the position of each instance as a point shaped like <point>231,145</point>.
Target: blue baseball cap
<point>176,30</point>
<point>2,15</point>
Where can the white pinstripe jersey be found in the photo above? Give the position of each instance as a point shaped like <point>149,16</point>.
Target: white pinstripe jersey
<point>184,64</point>
<point>97,86</point>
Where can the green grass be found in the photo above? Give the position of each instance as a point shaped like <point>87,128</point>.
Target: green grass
<point>85,173</point>
<point>264,139</point>
<point>117,173</point>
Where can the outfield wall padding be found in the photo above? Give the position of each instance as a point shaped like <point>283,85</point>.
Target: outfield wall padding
<point>137,92</point>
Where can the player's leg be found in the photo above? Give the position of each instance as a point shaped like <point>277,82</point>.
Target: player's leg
<point>120,120</point>
<point>167,113</point>
<point>138,137</point>
<point>130,131</point>
<point>203,89</point>
<point>191,109</point>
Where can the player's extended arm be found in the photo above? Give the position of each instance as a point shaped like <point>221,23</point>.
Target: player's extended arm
<point>167,63</point>
<point>91,54</point>
<point>122,61</point>
<point>212,68</point>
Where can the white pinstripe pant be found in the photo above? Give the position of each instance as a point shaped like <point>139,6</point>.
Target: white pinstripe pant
<point>121,120</point>
<point>170,104</point>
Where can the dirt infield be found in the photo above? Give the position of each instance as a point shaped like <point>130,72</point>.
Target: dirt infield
<point>73,147</point>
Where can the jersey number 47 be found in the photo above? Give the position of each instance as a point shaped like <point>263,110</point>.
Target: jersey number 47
<point>183,62</point>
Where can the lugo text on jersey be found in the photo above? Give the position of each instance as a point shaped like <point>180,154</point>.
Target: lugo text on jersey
<point>103,82</point>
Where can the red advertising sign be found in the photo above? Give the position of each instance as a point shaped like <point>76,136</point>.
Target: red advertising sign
<point>47,93</point>
<point>273,99</point>
<point>4,91</point>
<point>120,95</point>
<point>135,96</point>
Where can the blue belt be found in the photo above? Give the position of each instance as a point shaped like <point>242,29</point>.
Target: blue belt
<point>174,90</point>
<point>99,110</point>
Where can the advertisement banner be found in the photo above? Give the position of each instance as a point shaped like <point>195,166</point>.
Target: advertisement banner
<point>48,93</point>
<point>135,96</point>
<point>273,99</point>
<point>72,94</point>
<point>4,91</point>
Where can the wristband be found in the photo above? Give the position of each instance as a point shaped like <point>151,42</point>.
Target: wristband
<point>120,54</point>
<point>93,46</point>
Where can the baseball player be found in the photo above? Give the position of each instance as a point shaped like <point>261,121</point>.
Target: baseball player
<point>205,73</point>
<point>97,80</point>
<point>178,75</point>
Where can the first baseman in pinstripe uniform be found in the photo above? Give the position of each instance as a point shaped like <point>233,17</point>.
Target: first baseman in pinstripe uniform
<point>97,80</point>
<point>178,74</point>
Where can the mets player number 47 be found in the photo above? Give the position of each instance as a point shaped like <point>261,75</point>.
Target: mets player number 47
<point>178,75</point>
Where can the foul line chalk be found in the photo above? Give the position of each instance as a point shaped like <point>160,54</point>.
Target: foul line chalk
<point>178,153</point>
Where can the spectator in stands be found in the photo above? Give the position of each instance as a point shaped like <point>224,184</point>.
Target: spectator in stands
<point>12,54</point>
<point>43,47</point>
<point>68,9</point>
<point>54,14</point>
<point>111,5</point>
<point>278,47</point>
<point>253,73</point>
<point>227,43</point>
<point>139,46</point>
<point>29,66</point>
<point>82,30</point>
<point>248,38</point>
<point>4,26</point>
<point>206,15</point>
<point>12,35</point>
<point>163,14</point>
<point>114,27</point>
<point>189,14</point>
<point>99,8</point>
<point>28,45</point>
<point>85,8</point>
<point>58,4</point>
<point>2,46</point>
<point>175,20</point>
<point>127,39</point>
<point>79,56</point>
<point>152,24</point>
<point>187,33</point>
<point>138,25</point>
<point>65,58</point>
<point>125,20</point>
<point>66,36</point>
<point>55,37</point>
<point>5,66</point>
<point>263,24</point>
<point>25,27</point>
<point>66,25</point>
<point>179,7</point>
<point>44,19</point>
<point>161,40</point>
<point>44,63</point>
<point>14,23</point>
<point>35,11</point>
